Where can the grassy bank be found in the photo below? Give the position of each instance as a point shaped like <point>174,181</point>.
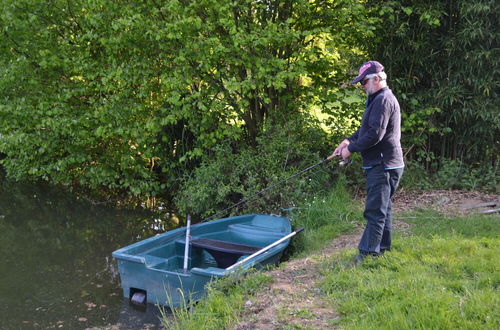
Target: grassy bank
<point>324,217</point>
<point>221,307</point>
<point>442,273</point>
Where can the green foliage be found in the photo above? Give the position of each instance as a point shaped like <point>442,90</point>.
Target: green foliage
<point>452,174</point>
<point>342,114</point>
<point>442,59</point>
<point>130,95</point>
<point>415,176</point>
<point>234,173</point>
<point>417,127</point>
<point>436,278</point>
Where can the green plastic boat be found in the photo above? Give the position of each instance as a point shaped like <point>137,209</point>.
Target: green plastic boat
<point>153,270</point>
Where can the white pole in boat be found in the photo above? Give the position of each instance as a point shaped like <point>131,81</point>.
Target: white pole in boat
<point>186,247</point>
<point>265,249</point>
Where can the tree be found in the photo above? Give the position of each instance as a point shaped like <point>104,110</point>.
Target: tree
<point>443,59</point>
<point>128,95</point>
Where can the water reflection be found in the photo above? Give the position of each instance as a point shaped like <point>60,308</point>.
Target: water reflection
<point>56,269</point>
<point>131,317</point>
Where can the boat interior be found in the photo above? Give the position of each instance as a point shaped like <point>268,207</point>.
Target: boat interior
<point>219,247</point>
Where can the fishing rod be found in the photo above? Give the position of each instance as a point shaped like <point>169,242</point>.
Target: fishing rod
<point>341,163</point>
<point>188,228</point>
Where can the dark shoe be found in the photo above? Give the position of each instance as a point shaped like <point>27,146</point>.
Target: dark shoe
<point>359,258</point>
<point>362,255</point>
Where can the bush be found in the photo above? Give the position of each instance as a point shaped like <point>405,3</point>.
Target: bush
<point>455,174</point>
<point>451,174</point>
<point>233,173</point>
<point>415,176</point>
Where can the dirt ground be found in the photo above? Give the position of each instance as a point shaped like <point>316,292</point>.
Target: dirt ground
<point>446,201</point>
<point>292,299</point>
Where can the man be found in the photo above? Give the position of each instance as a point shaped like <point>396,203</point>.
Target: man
<point>378,141</point>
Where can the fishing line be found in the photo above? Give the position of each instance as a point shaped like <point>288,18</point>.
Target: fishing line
<point>312,176</point>
<point>254,202</point>
<point>245,200</point>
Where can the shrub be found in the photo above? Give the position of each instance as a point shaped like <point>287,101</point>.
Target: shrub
<point>451,174</point>
<point>455,174</point>
<point>233,173</point>
<point>415,176</point>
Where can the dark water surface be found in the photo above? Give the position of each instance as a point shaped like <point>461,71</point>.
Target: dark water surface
<point>56,269</point>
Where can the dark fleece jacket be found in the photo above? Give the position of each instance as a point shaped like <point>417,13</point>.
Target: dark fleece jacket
<point>378,138</point>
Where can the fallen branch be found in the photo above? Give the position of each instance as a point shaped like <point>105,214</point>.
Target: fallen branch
<point>486,204</point>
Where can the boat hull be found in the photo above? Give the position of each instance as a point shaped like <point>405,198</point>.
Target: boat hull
<point>153,267</point>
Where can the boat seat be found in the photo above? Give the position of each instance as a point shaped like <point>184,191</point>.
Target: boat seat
<point>224,253</point>
<point>244,230</point>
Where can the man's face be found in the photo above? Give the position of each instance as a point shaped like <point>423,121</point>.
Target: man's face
<point>370,85</point>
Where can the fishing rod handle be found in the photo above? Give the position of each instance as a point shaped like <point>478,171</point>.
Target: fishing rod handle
<point>343,162</point>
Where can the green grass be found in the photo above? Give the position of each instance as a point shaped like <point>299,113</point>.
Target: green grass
<point>325,218</point>
<point>445,275</point>
<point>221,307</point>
<point>432,223</point>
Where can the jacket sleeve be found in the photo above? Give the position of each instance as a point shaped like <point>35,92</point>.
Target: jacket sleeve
<point>354,136</point>
<point>377,125</point>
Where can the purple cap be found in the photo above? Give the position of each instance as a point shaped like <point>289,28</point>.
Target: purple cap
<point>368,68</point>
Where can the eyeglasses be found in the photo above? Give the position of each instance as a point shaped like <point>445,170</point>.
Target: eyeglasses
<point>364,81</point>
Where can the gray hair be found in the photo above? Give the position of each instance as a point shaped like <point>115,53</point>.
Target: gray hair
<point>382,75</point>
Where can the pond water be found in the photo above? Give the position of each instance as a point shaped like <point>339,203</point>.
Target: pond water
<point>56,269</point>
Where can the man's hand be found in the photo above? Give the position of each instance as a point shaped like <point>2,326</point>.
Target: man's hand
<point>338,151</point>
<point>346,153</point>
